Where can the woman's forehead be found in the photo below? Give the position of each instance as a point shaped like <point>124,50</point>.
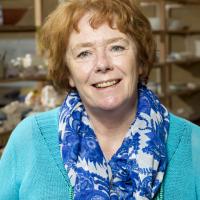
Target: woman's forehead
<point>102,34</point>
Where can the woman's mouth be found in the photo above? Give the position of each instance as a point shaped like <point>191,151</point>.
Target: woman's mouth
<point>106,84</point>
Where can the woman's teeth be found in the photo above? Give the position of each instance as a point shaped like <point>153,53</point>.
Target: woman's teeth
<point>106,84</point>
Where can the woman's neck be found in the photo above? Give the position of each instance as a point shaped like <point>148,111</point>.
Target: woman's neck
<point>111,127</point>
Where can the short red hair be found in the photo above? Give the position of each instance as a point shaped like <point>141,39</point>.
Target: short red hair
<point>55,32</point>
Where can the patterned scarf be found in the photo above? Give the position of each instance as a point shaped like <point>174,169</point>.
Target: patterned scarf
<point>135,171</point>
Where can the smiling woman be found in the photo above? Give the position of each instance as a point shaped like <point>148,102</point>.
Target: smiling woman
<point>103,69</point>
<point>111,138</point>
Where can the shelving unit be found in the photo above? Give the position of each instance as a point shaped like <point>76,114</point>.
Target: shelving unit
<point>165,68</point>
<point>193,2</point>
<point>20,79</point>
<point>189,61</point>
<point>177,32</point>
<point>22,29</point>
<point>17,29</point>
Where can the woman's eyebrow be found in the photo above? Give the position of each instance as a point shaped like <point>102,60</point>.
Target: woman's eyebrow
<point>91,44</point>
<point>117,39</point>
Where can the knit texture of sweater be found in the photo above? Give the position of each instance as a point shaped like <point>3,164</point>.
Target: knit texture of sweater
<point>31,167</point>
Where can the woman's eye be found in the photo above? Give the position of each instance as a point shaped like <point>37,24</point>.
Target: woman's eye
<point>83,54</point>
<point>117,48</point>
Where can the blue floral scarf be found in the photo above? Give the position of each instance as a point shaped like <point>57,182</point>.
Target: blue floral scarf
<point>135,171</point>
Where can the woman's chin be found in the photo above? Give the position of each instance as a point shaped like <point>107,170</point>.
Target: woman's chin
<point>109,104</point>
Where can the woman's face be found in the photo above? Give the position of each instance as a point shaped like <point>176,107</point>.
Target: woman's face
<point>102,63</point>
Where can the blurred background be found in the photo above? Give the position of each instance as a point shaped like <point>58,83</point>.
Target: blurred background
<point>24,85</point>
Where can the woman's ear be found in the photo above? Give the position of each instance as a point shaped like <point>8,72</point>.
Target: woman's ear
<point>70,79</point>
<point>140,70</point>
<point>71,82</point>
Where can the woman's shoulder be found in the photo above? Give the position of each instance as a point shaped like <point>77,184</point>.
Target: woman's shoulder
<point>31,126</point>
<point>181,178</point>
<point>184,146</point>
<point>183,126</point>
<point>47,118</point>
<point>182,134</point>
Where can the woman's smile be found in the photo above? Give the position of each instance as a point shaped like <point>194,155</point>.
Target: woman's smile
<point>106,84</point>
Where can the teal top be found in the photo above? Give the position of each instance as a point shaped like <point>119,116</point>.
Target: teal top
<point>31,167</point>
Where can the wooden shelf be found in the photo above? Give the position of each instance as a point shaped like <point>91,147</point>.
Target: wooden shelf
<point>1,152</point>
<point>17,79</point>
<point>184,32</point>
<point>4,138</point>
<point>189,61</point>
<point>159,64</point>
<point>177,32</point>
<point>185,92</point>
<point>186,2</point>
<point>194,117</point>
<point>20,29</point>
<point>180,92</point>
<point>4,102</point>
<point>161,96</point>
<point>191,2</point>
<point>165,37</point>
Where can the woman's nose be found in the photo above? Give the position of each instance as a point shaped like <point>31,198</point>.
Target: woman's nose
<point>103,63</point>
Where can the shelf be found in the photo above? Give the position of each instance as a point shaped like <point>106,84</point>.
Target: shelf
<point>3,140</point>
<point>4,102</point>
<point>159,64</point>
<point>20,29</point>
<point>4,136</point>
<point>185,92</point>
<point>189,61</point>
<point>191,2</point>
<point>180,91</point>
<point>1,152</point>
<point>17,79</point>
<point>184,32</point>
<point>177,32</point>
<point>186,2</point>
<point>166,35</point>
<point>194,117</point>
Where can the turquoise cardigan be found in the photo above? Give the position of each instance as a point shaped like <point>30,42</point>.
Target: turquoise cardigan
<point>31,167</point>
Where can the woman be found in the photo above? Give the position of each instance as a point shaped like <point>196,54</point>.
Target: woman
<point>111,138</point>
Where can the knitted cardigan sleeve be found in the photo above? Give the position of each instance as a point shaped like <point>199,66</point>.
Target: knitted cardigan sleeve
<point>10,165</point>
<point>7,172</point>
<point>196,156</point>
<point>31,166</point>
